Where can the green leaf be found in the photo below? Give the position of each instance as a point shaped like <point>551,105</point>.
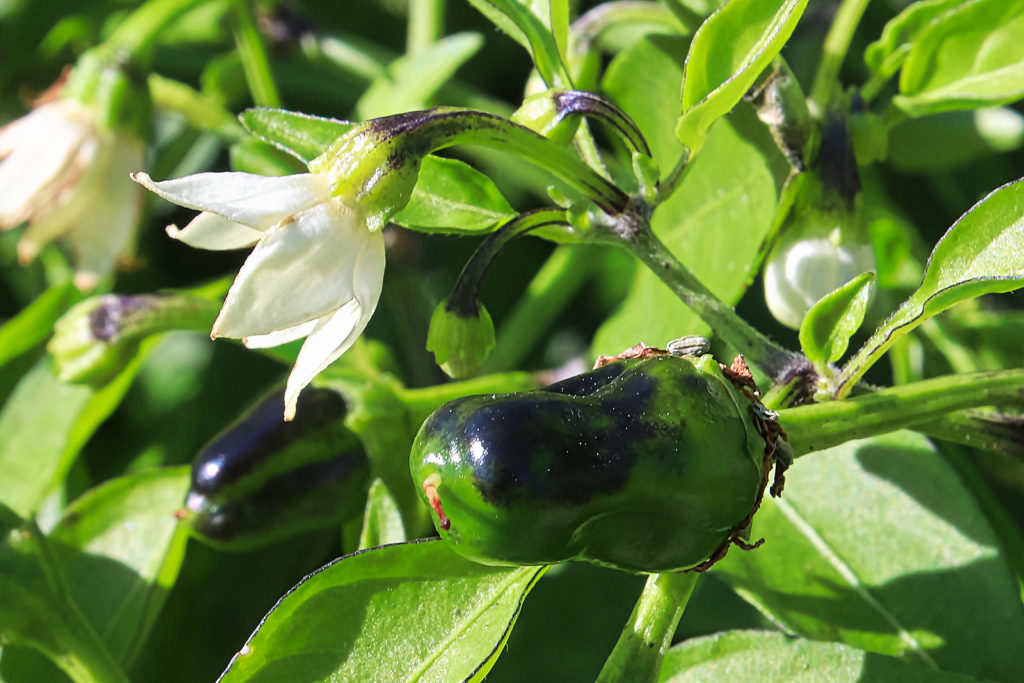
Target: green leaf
<point>44,425</point>
<point>826,329</point>
<point>34,323</point>
<point>885,56</point>
<point>971,57</point>
<point>303,136</point>
<point>263,158</point>
<point>382,523</point>
<point>120,548</point>
<point>953,138</point>
<point>36,609</point>
<point>530,31</point>
<point>770,657</point>
<point>411,80</point>
<point>728,53</point>
<point>715,222</point>
<point>452,197</point>
<point>878,544</point>
<point>413,611</point>
<point>982,253</point>
<point>559,12</point>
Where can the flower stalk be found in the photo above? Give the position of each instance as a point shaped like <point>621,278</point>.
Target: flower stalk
<point>647,635</point>
<point>823,425</point>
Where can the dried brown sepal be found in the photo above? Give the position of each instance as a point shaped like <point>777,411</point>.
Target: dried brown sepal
<point>640,350</point>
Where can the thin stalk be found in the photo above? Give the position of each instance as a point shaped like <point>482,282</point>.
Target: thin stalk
<point>253,55</point>
<point>201,111</point>
<point>671,182</point>
<point>823,425</point>
<point>140,31</point>
<point>641,647</point>
<point>837,43</point>
<point>421,402</point>
<point>422,132</point>
<point>758,350</point>
<point>425,25</point>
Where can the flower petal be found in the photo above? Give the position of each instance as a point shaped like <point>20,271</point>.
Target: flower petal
<point>213,231</point>
<point>37,151</point>
<point>334,335</point>
<point>106,231</point>
<point>253,200</point>
<point>302,270</point>
<point>289,334</point>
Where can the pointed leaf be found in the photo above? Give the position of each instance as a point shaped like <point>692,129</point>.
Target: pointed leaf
<point>770,657</point>
<point>303,136</point>
<point>530,31</point>
<point>411,80</point>
<point>887,54</point>
<point>878,544</point>
<point>971,57</point>
<point>452,197</point>
<point>382,523</point>
<point>120,549</point>
<point>414,611</point>
<point>826,329</point>
<point>728,53</point>
<point>982,253</point>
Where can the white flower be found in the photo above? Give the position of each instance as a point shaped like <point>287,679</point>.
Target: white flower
<point>803,270</point>
<point>69,179</point>
<point>316,271</point>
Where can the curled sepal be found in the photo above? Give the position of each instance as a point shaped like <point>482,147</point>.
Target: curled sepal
<point>460,340</point>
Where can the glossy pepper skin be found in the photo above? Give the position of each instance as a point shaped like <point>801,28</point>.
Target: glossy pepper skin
<point>646,465</point>
<point>263,479</point>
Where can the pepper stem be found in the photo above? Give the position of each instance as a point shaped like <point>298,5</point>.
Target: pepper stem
<point>634,233</point>
<point>645,638</point>
<point>464,295</point>
<point>823,425</point>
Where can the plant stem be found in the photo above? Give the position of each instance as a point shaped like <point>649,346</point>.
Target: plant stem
<point>423,132</point>
<point>464,295</point>
<point>770,358</point>
<point>823,425</point>
<point>426,24</point>
<point>199,110</point>
<point>647,635</point>
<point>837,43</point>
<point>253,54</point>
<point>421,402</point>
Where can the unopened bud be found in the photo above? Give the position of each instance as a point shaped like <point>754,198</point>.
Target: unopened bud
<point>460,342</point>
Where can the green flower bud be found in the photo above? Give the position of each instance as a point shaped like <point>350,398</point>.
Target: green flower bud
<point>97,338</point>
<point>542,112</point>
<point>460,342</point>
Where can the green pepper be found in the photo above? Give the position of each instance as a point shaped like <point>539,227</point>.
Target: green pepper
<point>646,464</point>
<point>263,479</point>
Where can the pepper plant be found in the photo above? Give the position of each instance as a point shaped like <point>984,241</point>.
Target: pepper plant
<point>622,341</point>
